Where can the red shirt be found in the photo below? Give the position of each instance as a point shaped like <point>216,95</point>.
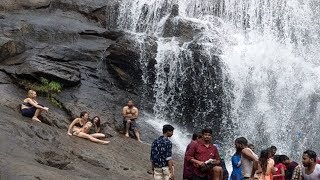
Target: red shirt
<point>187,165</point>
<point>279,167</point>
<point>202,153</point>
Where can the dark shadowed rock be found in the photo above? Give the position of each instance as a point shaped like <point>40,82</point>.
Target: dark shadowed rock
<point>174,10</point>
<point>9,48</point>
<point>36,67</point>
<point>123,63</point>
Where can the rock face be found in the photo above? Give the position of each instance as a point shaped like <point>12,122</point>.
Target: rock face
<point>68,42</point>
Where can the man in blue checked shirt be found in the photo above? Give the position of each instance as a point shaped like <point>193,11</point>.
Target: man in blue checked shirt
<point>161,155</point>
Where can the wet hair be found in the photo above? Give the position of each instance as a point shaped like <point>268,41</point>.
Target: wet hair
<point>270,150</point>
<point>194,136</point>
<point>250,145</point>
<point>283,158</point>
<point>167,128</point>
<point>277,159</point>
<point>311,154</point>
<point>98,122</point>
<point>264,156</point>
<point>206,130</point>
<point>273,148</point>
<point>83,113</point>
<point>242,140</point>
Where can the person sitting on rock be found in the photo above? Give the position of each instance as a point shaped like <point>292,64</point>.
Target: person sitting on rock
<point>130,114</point>
<point>81,126</point>
<point>31,108</point>
<point>96,122</point>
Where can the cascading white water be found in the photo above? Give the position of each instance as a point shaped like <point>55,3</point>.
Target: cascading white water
<point>270,55</point>
<point>275,68</point>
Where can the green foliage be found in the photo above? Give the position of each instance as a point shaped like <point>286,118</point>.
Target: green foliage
<point>48,89</point>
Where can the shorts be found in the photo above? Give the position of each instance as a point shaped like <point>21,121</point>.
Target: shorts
<point>161,173</point>
<point>28,112</point>
<point>133,124</point>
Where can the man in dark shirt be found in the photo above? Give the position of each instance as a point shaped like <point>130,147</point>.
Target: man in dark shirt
<point>188,166</point>
<point>161,155</point>
<point>200,154</point>
<point>290,166</point>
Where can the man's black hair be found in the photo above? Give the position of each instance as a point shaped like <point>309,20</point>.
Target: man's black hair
<point>311,154</point>
<point>273,148</point>
<point>206,130</point>
<point>242,140</point>
<point>166,128</point>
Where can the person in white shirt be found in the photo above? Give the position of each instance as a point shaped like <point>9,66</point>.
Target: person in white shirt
<point>310,170</point>
<point>249,159</point>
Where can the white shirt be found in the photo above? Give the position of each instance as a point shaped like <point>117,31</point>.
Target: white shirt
<point>315,175</point>
<point>247,164</point>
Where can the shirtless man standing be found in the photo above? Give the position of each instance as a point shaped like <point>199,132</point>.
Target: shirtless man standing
<point>130,114</point>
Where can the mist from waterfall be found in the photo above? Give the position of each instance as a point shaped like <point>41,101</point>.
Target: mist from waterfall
<point>270,54</point>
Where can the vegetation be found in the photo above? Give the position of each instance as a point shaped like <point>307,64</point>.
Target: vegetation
<point>47,88</point>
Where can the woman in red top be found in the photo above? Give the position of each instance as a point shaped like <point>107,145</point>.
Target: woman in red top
<point>280,168</point>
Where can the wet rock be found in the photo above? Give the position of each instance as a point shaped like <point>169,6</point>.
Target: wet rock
<point>174,10</point>
<point>123,63</point>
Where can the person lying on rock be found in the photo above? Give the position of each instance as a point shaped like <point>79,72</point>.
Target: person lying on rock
<point>31,108</point>
<point>81,126</point>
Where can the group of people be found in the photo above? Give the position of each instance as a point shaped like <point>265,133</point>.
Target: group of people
<point>268,166</point>
<point>202,160</point>
<point>82,126</point>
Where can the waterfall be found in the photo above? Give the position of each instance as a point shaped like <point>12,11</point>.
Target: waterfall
<point>274,66</point>
<point>244,67</point>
